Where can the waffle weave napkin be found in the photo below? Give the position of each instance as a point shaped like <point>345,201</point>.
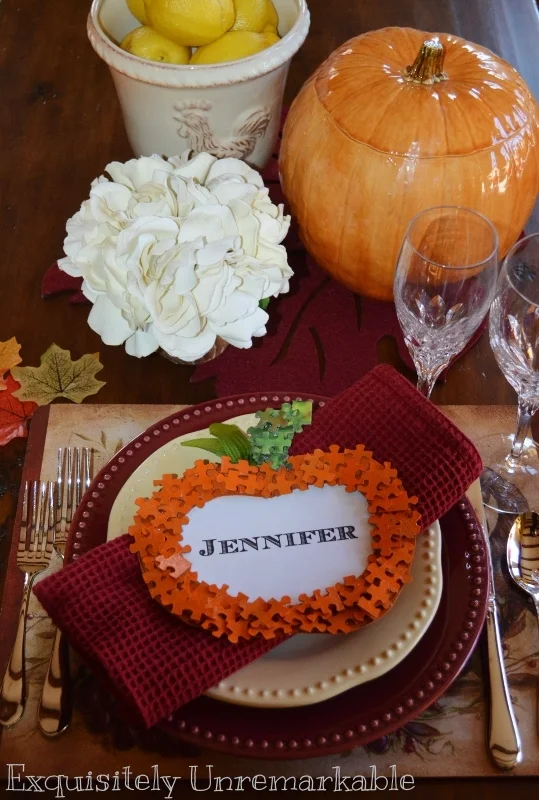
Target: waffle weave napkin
<point>156,663</point>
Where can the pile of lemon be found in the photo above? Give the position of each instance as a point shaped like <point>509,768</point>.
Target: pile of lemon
<point>220,30</point>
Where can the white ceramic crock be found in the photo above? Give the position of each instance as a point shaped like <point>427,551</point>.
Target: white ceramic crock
<point>231,109</point>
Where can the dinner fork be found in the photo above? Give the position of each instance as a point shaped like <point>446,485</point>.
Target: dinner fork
<point>34,552</point>
<point>73,477</point>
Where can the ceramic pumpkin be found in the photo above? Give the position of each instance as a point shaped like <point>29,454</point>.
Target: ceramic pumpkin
<point>395,121</point>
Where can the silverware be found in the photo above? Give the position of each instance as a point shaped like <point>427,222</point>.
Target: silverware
<point>523,560</point>
<point>503,735</point>
<point>33,556</point>
<point>74,474</point>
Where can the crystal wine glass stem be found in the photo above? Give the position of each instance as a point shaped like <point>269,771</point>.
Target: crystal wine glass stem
<point>426,378</point>
<point>525,413</point>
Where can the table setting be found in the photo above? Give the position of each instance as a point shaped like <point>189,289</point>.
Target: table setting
<point>268,469</point>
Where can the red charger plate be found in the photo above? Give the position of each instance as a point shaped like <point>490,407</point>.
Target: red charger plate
<point>359,715</point>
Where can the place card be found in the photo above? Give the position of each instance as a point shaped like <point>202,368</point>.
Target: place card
<point>287,546</point>
<point>322,543</point>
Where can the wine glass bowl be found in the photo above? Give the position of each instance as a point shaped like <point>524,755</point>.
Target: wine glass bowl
<point>514,319</point>
<point>510,482</point>
<point>444,283</point>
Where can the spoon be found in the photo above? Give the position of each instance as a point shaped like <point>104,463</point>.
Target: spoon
<point>523,559</point>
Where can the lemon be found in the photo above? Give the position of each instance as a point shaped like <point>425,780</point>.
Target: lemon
<point>255,15</point>
<point>272,16</point>
<point>191,22</point>
<point>147,43</point>
<point>136,7</point>
<point>233,45</point>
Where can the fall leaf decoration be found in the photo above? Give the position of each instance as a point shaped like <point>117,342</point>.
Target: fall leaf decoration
<point>59,376</point>
<point>9,358</point>
<point>14,415</point>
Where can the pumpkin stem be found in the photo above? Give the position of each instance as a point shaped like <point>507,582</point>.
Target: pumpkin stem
<point>429,64</point>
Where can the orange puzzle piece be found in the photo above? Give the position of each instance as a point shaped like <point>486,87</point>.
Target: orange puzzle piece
<point>358,600</point>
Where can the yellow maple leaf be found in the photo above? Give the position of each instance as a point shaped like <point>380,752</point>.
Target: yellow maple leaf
<point>9,357</point>
<point>58,376</point>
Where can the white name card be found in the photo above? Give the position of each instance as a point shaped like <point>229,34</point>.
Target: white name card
<point>286,545</point>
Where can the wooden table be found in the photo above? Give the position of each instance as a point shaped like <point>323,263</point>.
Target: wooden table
<point>61,123</point>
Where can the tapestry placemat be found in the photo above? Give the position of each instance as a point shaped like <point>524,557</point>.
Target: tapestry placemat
<point>447,740</point>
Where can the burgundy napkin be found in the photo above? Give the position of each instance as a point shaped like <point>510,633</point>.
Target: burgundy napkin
<point>155,662</point>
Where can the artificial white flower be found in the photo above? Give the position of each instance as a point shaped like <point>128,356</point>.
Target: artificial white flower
<point>175,253</point>
<point>138,171</point>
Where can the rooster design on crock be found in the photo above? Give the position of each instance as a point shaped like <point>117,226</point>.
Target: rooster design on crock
<point>196,128</point>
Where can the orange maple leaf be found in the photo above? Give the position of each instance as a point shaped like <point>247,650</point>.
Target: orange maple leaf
<point>14,415</point>
<point>9,357</point>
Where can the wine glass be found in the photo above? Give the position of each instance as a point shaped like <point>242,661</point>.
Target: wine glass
<point>444,283</point>
<point>510,481</point>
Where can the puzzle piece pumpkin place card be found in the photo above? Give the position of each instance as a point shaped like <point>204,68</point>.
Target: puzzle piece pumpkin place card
<point>256,542</point>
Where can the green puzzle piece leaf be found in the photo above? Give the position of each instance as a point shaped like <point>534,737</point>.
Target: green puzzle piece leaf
<point>272,437</point>
<point>305,411</point>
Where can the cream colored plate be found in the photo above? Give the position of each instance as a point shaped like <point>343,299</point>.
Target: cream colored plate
<point>307,668</point>
<point>172,457</point>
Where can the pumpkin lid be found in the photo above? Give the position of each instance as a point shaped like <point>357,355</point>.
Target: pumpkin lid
<point>408,92</point>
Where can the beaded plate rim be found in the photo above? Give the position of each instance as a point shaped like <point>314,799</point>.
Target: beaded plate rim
<point>450,661</point>
<point>241,691</point>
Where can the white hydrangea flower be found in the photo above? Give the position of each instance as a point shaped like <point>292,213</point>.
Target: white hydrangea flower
<point>176,253</point>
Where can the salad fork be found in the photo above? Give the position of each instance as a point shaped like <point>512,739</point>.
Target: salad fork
<point>73,475</point>
<point>34,552</point>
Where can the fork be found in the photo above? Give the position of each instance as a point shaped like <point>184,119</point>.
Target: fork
<point>73,474</point>
<point>34,553</point>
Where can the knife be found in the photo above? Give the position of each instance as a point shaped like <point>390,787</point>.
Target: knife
<point>503,736</point>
